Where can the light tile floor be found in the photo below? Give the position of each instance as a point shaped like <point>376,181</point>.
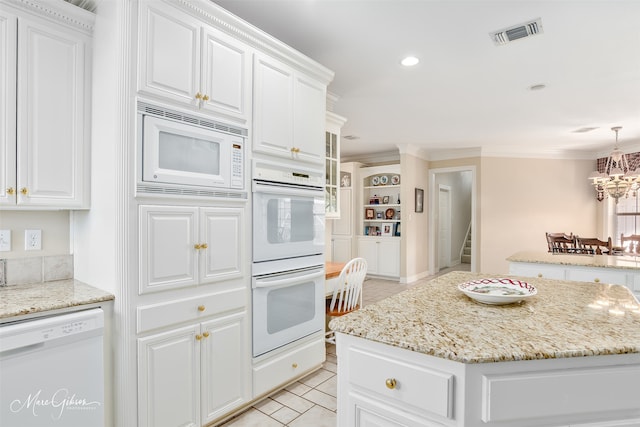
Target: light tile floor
<point>311,401</point>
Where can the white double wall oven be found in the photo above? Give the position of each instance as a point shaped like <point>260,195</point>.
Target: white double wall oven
<point>288,260</point>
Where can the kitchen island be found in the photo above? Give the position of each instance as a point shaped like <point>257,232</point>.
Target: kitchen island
<point>430,356</point>
<point>615,269</point>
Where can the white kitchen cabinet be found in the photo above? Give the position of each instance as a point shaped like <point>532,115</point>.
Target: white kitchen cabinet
<point>332,165</point>
<point>289,112</point>
<point>545,271</point>
<point>195,374</point>
<point>184,246</point>
<point>45,77</point>
<point>184,60</point>
<point>382,255</point>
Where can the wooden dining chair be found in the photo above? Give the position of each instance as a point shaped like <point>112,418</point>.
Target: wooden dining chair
<point>630,244</point>
<point>561,242</point>
<point>347,294</point>
<point>592,245</point>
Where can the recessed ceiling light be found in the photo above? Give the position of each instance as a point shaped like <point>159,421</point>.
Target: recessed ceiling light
<point>409,61</point>
<point>351,137</point>
<point>537,87</point>
<point>585,129</point>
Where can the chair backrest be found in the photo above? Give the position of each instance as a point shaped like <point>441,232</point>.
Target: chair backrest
<point>630,244</point>
<point>347,295</point>
<point>561,242</point>
<point>592,245</point>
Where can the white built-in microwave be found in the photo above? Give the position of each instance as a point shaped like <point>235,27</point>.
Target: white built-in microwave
<point>184,154</point>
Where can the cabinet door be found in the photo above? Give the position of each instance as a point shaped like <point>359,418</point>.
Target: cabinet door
<point>273,108</point>
<point>363,411</point>
<point>223,232</point>
<point>389,257</point>
<point>309,100</point>
<point>169,379</point>
<point>226,366</point>
<point>8,44</point>
<point>51,131</point>
<point>226,75</point>
<point>169,53</point>
<point>167,255</point>
<point>368,249</point>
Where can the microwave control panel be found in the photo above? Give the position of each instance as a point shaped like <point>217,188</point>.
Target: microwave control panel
<point>237,164</point>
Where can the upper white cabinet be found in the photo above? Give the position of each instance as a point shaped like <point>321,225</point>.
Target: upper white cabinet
<point>45,97</point>
<point>186,61</point>
<point>289,112</point>
<point>332,164</point>
<point>183,246</point>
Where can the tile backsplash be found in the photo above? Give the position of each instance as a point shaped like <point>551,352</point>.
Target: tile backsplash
<point>23,271</point>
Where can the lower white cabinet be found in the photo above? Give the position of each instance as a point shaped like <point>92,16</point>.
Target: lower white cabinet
<point>382,255</point>
<point>192,375</point>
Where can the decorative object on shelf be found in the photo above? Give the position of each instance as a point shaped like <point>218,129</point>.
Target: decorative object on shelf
<point>375,180</point>
<point>395,180</point>
<point>389,213</point>
<point>375,200</point>
<point>379,214</point>
<point>385,200</point>
<point>396,231</point>
<point>369,213</point>
<point>371,230</point>
<point>419,200</point>
<point>387,229</point>
<point>384,180</point>
<point>497,291</point>
<point>398,202</point>
<point>617,178</point>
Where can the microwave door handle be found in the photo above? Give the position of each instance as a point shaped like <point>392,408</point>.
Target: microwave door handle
<point>281,283</point>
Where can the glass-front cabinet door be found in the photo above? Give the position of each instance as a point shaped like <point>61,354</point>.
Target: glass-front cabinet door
<point>332,165</point>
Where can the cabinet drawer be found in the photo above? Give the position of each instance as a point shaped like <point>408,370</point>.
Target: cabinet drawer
<point>408,384</point>
<point>600,275</point>
<point>537,270</point>
<point>168,313</point>
<point>286,366</point>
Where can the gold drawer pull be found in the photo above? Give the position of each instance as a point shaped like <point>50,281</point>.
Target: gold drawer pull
<point>205,97</point>
<point>198,95</point>
<point>24,191</point>
<point>204,246</point>
<point>11,191</point>
<point>294,365</point>
<point>539,274</point>
<point>596,280</point>
<point>197,246</point>
<point>205,334</point>
<point>198,337</point>
<point>201,308</point>
<point>391,383</point>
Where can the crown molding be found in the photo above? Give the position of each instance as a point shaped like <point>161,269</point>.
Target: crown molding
<point>58,11</point>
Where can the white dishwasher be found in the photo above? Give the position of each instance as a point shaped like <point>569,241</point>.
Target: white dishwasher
<point>51,371</point>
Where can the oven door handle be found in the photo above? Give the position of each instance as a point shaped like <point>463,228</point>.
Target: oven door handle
<point>281,283</point>
<point>286,190</point>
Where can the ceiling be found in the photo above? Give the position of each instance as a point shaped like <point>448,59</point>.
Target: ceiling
<point>467,94</point>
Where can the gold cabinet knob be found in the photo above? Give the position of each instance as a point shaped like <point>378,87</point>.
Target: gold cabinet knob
<point>198,337</point>
<point>539,274</point>
<point>198,95</point>
<point>205,97</point>
<point>201,308</point>
<point>391,383</point>
<point>596,280</point>
<point>24,191</point>
<point>11,191</point>
<point>294,365</point>
<point>204,246</point>
<point>197,246</point>
<point>205,334</point>
<point>295,150</point>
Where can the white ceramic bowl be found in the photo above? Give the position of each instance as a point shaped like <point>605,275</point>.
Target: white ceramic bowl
<point>497,291</point>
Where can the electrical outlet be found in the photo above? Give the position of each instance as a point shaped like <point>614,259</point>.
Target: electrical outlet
<point>5,240</point>
<point>32,240</point>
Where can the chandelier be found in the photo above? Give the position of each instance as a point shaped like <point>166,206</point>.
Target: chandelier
<point>617,179</point>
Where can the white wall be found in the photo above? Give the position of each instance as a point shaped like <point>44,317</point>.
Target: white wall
<point>521,199</point>
<point>54,226</point>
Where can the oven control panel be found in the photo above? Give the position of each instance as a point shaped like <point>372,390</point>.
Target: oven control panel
<point>288,175</point>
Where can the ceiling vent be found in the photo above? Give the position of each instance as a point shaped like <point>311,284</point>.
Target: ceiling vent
<point>516,32</point>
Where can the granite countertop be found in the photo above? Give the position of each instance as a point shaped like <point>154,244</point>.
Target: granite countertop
<point>563,320</point>
<point>19,300</point>
<point>606,261</point>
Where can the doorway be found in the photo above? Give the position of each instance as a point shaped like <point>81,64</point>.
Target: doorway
<point>452,213</point>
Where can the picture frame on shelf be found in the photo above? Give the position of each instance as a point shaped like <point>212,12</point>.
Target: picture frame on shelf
<point>385,200</point>
<point>373,231</point>
<point>419,200</point>
<point>387,229</point>
<point>369,213</point>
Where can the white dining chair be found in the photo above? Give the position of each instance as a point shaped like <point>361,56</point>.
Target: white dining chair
<point>347,294</point>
